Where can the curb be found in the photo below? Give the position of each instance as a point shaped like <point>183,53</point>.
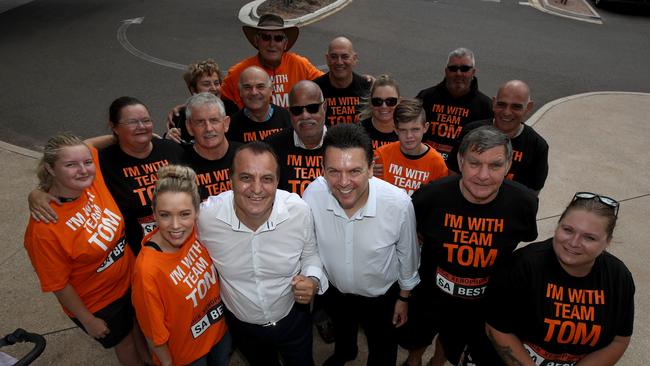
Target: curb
<point>20,150</point>
<point>552,104</point>
<point>248,13</point>
<point>545,7</point>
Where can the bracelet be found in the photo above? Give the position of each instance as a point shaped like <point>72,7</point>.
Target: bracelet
<point>402,298</point>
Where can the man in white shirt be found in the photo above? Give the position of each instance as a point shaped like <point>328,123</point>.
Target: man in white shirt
<point>262,242</point>
<point>365,229</point>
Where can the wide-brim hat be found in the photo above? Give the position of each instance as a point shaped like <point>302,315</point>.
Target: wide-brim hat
<point>271,22</point>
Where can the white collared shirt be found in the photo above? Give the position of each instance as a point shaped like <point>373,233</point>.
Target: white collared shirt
<point>367,253</point>
<point>298,142</point>
<point>256,267</point>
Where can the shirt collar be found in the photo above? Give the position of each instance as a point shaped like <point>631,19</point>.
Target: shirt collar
<point>226,213</point>
<point>298,142</point>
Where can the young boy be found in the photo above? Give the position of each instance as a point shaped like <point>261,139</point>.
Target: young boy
<point>408,163</point>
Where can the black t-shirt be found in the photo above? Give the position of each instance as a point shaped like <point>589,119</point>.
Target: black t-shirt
<point>212,176</point>
<point>343,104</point>
<point>244,129</point>
<point>378,138</point>
<point>558,317</point>
<point>447,115</point>
<point>529,156</point>
<point>179,121</point>
<point>298,166</point>
<point>131,181</point>
<point>464,242</point>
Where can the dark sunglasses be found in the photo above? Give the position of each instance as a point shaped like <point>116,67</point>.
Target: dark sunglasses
<point>462,68</point>
<point>377,102</point>
<point>607,201</point>
<point>296,110</point>
<point>267,37</point>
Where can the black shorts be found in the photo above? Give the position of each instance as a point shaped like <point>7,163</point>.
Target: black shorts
<point>420,329</point>
<point>118,316</point>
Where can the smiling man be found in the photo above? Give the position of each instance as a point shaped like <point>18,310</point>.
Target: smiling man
<point>342,87</point>
<point>511,106</point>
<point>299,148</point>
<point>469,225</point>
<point>273,40</point>
<point>211,154</point>
<point>454,102</point>
<point>365,229</point>
<point>261,240</point>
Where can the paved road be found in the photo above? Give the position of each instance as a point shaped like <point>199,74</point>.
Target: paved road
<point>62,63</point>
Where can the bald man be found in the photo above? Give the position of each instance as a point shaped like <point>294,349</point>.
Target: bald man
<point>259,118</point>
<point>299,148</point>
<point>511,106</point>
<point>341,86</point>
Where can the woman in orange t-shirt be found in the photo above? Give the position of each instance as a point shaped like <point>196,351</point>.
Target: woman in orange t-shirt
<point>84,258</point>
<point>175,287</point>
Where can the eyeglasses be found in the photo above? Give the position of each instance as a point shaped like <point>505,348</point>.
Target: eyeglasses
<point>461,68</point>
<point>135,122</point>
<point>203,123</point>
<point>296,110</point>
<point>267,37</point>
<point>607,201</point>
<point>377,102</point>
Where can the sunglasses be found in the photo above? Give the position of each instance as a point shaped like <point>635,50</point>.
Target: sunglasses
<point>461,68</point>
<point>607,201</point>
<point>296,110</point>
<point>267,37</point>
<point>377,102</point>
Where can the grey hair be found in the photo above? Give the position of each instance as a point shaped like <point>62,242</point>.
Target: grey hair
<point>462,52</point>
<point>202,99</point>
<point>485,138</point>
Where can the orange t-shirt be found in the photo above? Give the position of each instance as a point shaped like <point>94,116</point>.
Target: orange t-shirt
<point>408,172</point>
<point>177,299</point>
<point>86,248</point>
<point>292,69</point>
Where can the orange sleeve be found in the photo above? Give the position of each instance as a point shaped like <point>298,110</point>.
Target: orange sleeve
<point>147,301</point>
<point>51,262</point>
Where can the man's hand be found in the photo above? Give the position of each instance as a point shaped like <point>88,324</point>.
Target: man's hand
<point>173,133</point>
<point>304,289</point>
<point>400,315</point>
<point>39,206</point>
<point>377,168</point>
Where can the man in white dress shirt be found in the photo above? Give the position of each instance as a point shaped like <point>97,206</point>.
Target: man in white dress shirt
<point>365,229</point>
<point>262,242</point>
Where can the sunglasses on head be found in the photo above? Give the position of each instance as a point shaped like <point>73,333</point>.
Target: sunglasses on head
<point>296,110</point>
<point>462,68</point>
<point>377,102</point>
<point>267,37</point>
<point>607,201</point>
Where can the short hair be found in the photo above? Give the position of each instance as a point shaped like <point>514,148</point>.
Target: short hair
<point>269,81</point>
<point>382,80</point>
<point>348,136</point>
<point>485,138</point>
<point>177,179</point>
<point>51,154</point>
<point>196,70</point>
<point>596,207</point>
<point>257,148</point>
<point>408,110</point>
<point>306,86</point>
<point>203,99</point>
<point>462,52</point>
<point>115,109</point>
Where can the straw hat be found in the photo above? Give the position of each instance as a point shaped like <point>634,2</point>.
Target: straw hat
<point>271,22</point>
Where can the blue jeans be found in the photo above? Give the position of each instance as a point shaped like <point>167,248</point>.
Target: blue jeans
<point>219,355</point>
